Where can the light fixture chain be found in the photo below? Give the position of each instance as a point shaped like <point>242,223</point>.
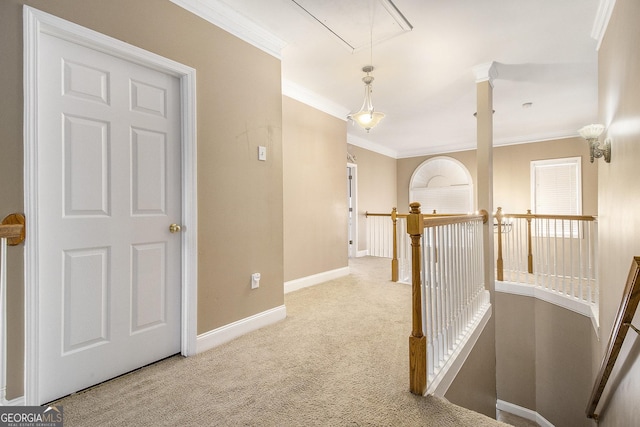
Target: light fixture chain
<point>367,117</point>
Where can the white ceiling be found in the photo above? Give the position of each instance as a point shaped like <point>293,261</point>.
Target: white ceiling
<point>542,50</point>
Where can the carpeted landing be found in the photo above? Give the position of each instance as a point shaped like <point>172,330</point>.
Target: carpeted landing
<point>340,358</point>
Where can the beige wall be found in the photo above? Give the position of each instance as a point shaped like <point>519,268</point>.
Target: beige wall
<point>619,194</point>
<point>315,191</point>
<point>563,384</point>
<point>511,172</point>
<point>516,349</point>
<point>475,385</point>
<point>11,197</point>
<point>240,198</point>
<point>512,179</point>
<point>544,358</point>
<point>376,183</point>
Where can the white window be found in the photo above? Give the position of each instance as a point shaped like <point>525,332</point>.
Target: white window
<point>557,190</point>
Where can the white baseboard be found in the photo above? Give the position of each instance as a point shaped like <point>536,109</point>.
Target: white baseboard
<point>362,253</point>
<point>18,401</point>
<point>304,282</point>
<point>528,414</point>
<point>215,337</point>
<point>234,330</point>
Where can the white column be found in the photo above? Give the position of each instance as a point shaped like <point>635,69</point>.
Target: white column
<point>485,74</point>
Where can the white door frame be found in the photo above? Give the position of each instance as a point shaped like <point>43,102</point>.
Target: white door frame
<point>36,23</point>
<point>354,215</point>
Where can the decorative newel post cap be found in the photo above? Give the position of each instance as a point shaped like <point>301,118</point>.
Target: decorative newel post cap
<point>415,207</point>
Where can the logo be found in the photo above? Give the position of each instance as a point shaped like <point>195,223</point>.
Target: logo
<point>31,416</point>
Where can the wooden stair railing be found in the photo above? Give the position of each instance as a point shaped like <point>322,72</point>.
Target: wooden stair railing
<point>12,228</point>
<point>12,233</point>
<point>500,223</point>
<point>416,223</point>
<point>417,340</point>
<point>394,215</point>
<point>626,312</point>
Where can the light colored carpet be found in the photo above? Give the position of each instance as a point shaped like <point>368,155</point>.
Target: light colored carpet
<point>340,358</point>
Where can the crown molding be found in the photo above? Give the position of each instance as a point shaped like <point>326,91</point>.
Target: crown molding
<point>501,142</point>
<point>486,72</point>
<point>600,23</point>
<point>371,146</point>
<point>221,15</point>
<point>312,99</point>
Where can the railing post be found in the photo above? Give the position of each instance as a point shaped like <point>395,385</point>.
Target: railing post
<point>529,244</point>
<point>499,261</point>
<point>13,229</point>
<point>12,233</point>
<point>417,340</point>
<point>394,260</point>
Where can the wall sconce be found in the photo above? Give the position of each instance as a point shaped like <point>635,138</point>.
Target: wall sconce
<point>591,134</point>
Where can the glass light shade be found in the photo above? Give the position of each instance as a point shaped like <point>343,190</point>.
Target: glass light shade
<point>367,119</point>
<point>591,131</point>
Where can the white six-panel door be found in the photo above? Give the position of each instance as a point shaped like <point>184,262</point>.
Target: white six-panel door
<point>108,189</point>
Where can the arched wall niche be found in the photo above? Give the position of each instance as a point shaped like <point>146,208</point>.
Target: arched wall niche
<point>442,184</point>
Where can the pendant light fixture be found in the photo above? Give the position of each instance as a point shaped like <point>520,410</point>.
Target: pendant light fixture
<point>367,117</point>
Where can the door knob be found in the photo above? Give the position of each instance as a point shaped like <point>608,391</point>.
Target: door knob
<point>174,228</point>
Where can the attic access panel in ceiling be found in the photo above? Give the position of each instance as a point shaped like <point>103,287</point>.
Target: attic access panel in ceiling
<point>357,23</point>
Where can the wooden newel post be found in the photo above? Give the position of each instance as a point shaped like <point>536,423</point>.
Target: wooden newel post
<point>394,260</point>
<point>499,261</point>
<point>529,249</point>
<point>417,340</point>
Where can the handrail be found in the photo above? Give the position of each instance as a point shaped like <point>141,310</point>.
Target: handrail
<point>626,312</point>
<point>541,216</point>
<point>10,231</point>
<point>404,215</point>
<point>500,216</point>
<point>394,215</point>
<point>502,222</point>
<point>416,225</point>
<point>367,214</point>
<point>12,228</point>
<point>452,219</point>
